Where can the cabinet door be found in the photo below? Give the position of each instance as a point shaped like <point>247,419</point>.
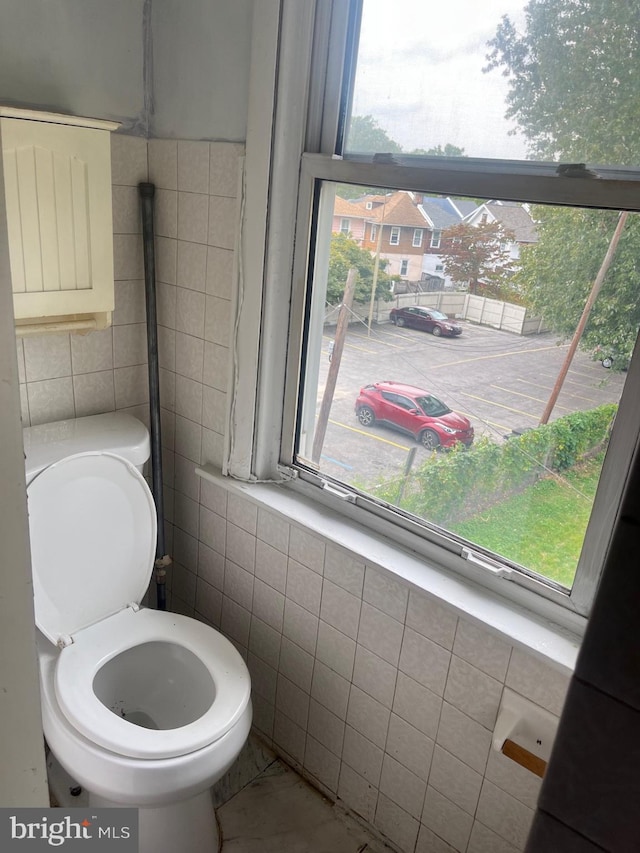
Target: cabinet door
<point>58,193</point>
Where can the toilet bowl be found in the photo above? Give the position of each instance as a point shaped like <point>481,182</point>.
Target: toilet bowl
<point>142,708</point>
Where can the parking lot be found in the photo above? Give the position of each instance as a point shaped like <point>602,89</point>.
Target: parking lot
<point>500,381</point>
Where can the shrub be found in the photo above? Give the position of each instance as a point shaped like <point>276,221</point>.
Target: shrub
<point>449,487</point>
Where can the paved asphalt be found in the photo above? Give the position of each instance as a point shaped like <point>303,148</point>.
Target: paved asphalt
<point>499,380</point>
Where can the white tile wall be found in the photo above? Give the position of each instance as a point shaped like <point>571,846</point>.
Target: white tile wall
<point>379,694</point>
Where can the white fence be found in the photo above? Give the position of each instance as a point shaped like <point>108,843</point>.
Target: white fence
<point>465,306</point>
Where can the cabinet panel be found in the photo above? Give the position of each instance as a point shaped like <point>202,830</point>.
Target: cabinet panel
<point>58,196</point>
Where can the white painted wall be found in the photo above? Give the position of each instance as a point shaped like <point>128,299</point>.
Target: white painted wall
<point>74,56</point>
<point>201,69</point>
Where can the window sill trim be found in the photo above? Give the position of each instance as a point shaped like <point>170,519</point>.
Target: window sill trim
<point>553,644</point>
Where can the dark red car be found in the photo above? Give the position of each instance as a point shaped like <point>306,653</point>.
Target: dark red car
<point>426,319</point>
<point>414,411</point>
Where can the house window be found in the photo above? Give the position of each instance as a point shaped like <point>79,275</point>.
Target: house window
<point>417,238</point>
<point>374,232</point>
<point>345,226</point>
<point>369,205</point>
<point>490,516</point>
<point>404,267</point>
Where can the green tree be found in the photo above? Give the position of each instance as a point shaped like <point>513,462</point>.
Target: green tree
<point>345,254</point>
<point>574,90</point>
<point>574,79</point>
<point>557,273</point>
<point>449,150</point>
<point>367,137</point>
<point>476,254</point>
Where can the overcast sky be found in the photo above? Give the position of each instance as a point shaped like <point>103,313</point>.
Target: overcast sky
<point>420,74</point>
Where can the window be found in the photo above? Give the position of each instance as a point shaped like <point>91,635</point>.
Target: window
<point>345,226</point>
<point>504,381</point>
<point>417,237</point>
<point>374,232</point>
<point>435,239</point>
<point>404,267</point>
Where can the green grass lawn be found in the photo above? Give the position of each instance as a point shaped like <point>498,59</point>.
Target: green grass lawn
<point>543,528</point>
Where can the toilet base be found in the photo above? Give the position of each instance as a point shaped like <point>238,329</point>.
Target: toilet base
<point>189,826</point>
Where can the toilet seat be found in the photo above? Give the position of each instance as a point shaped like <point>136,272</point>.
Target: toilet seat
<point>79,663</point>
<point>93,536</point>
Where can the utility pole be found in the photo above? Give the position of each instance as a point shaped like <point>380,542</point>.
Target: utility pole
<point>606,263</point>
<point>334,365</point>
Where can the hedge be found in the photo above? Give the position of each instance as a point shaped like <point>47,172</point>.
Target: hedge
<point>451,486</point>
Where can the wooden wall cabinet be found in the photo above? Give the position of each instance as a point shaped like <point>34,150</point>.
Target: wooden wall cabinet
<point>57,176</point>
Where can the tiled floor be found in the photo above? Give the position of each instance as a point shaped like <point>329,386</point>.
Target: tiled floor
<point>279,812</point>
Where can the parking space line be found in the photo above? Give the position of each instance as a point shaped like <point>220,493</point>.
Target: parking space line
<point>546,388</point>
<point>369,434</point>
<point>500,405</point>
<point>496,355</point>
<point>526,396</point>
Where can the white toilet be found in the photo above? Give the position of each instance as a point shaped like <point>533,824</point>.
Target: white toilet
<point>142,708</point>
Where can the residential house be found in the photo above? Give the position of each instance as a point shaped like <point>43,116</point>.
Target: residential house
<point>514,218</point>
<point>347,718</point>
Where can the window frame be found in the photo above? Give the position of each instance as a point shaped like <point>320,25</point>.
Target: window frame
<point>435,240</point>
<point>395,231</point>
<point>417,232</point>
<point>262,420</point>
<point>404,263</point>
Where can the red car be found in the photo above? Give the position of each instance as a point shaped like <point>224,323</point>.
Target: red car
<point>414,411</point>
<point>427,319</point>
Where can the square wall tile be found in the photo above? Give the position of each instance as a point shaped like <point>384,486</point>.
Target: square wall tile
<point>214,410</point>
<point>380,633</point>
<point>238,585</point>
<point>130,345</point>
<point>208,602</point>
<point>304,586</point>
<point>50,400</point>
<point>410,747</point>
<point>471,691</point>
<point>129,302</point>
<point>166,261</point>
<point>131,386</point>
<point>94,351</point>
<point>463,737</point>
<point>224,169</point>
<point>424,661</point>
<point>193,217</point>
<point>429,842</point>
<point>292,701</point>
<point>217,321</point>
<point>290,738</point>
<point>375,676</point>
<point>47,357</point>
<point>126,210</point>
<point>362,755</point>
<point>368,716</point>
<point>447,820</point>
<point>216,366</point>
<point>506,816</point>
<point>268,605</point>
<point>223,222</point>
<point>271,566</point>
<point>455,780</point>
<point>296,664</point>
<point>322,764</point>
<point>274,530</point>
<point>94,393</point>
<point>357,793</point>
<point>265,643</point>
<point>431,619</point>
<point>402,786</point>
<point>193,167</point>
<point>190,307</point>
<point>163,163</point>
<point>335,649</point>
<point>482,649</point>
<point>330,689</point>
<point>537,681</point>
<point>127,257</point>
<point>213,530</point>
<point>264,678</point>
<point>242,513</point>
<point>512,778</point>
<point>219,279</point>
<point>235,621</point>
<point>340,608</point>
<point>417,705</point>
<point>326,728</point>
<point>191,271</point>
<point>189,356</point>
<point>397,824</point>
<point>386,593</point>
<point>307,549</point>
<point>241,547</point>
<point>343,569</point>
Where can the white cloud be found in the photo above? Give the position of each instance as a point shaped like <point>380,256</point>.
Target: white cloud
<point>420,74</point>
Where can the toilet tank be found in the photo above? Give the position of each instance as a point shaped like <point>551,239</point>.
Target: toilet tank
<point>113,432</point>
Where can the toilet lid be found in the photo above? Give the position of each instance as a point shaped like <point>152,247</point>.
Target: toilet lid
<point>92,523</point>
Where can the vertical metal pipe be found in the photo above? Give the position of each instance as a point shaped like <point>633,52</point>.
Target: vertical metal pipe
<point>147,193</point>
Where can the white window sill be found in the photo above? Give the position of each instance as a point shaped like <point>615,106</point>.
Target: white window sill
<point>551,643</point>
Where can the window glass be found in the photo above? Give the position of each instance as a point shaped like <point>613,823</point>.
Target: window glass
<point>498,448</point>
<point>500,79</point>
